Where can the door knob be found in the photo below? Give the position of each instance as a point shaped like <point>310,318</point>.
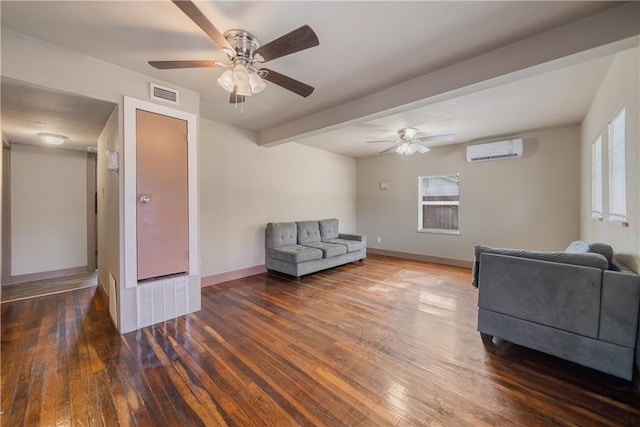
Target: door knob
<point>145,199</point>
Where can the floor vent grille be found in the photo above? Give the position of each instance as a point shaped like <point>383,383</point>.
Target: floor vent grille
<point>162,300</point>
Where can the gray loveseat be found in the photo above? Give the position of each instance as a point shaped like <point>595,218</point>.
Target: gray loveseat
<point>304,247</point>
<point>580,304</point>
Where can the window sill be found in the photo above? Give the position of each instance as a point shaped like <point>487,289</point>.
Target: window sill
<point>437,231</point>
<point>618,222</point>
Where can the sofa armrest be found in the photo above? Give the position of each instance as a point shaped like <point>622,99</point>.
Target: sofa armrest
<point>619,308</point>
<point>355,237</point>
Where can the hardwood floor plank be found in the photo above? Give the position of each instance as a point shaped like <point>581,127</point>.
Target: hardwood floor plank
<point>269,335</point>
<point>386,342</point>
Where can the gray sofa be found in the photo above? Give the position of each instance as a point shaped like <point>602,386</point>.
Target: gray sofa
<point>304,247</point>
<point>580,304</point>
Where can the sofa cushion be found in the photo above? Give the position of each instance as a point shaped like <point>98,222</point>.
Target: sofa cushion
<point>587,259</point>
<point>308,232</point>
<point>352,245</point>
<point>295,253</point>
<point>581,246</point>
<point>328,229</point>
<point>328,249</point>
<point>281,234</point>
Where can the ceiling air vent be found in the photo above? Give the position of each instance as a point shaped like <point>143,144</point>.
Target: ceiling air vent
<point>165,94</point>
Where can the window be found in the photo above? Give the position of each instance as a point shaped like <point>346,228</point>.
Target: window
<point>617,177</point>
<point>439,200</point>
<point>596,178</point>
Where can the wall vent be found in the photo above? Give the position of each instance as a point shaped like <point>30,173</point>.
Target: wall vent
<point>164,94</point>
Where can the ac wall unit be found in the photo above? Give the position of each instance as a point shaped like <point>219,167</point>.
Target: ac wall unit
<point>508,149</point>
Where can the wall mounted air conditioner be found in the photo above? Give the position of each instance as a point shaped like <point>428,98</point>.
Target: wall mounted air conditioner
<point>508,149</point>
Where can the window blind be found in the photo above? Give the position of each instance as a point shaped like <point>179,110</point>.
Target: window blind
<point>617,173</point>
<point>596,178</point>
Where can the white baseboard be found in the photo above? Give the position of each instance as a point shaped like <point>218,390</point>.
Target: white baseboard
<point>232,275</point>
<point>44,275</point>
<point>423,258</point>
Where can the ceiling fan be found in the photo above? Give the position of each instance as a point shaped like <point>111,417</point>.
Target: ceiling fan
<point>409,144</point>
<point>243,75</point>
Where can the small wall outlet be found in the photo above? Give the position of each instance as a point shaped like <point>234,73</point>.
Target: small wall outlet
<point>379,239</point>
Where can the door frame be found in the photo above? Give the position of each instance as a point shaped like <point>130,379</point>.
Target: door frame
<point>92,213</point>
<point>131,105</point>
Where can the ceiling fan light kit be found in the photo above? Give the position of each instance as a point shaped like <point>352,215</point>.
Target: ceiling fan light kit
<point>242,76</point>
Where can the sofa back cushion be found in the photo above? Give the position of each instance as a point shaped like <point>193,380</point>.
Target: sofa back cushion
<point>328,229</point>
<point>280,234</point>
<point>586,259</point>
<point>308,232</point>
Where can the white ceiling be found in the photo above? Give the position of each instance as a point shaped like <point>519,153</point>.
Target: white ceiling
<point>364,47</point>
<point>28,110</point>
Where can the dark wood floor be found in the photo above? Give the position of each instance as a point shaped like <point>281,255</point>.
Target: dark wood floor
<point>381,343</point>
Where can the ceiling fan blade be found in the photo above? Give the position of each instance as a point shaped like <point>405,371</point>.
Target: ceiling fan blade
<point>168,65</point>
<point>288,83</point>
<point>234,98</point>
<point>421,148</point>
<point>295,41</point>
<point>190,9</point>
<point>375,142</point>
<point>436,138</point>
<point>389,150</point>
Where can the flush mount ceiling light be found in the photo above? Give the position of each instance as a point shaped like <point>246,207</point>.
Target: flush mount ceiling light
<point>52,138</point>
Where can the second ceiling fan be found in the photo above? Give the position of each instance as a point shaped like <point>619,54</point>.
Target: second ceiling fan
<point>244,75</point>
<point>409,143</point>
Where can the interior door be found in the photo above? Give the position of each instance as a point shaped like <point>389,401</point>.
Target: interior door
<point>162,195</point>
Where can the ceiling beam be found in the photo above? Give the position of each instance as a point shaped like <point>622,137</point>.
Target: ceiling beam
<point>601,34</point>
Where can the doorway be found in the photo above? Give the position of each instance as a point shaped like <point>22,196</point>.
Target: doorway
<point>49,211</point>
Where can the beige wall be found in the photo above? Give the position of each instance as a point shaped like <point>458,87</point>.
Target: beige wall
<point>619,87</point>
<point>531,202</point>
<point>244,186</point>
<point>108,214</point>
<point>48,209</point>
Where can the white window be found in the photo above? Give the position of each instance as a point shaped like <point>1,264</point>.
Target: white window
<point>596,178</point>
<point>438,203</point>
<point>617,173</point>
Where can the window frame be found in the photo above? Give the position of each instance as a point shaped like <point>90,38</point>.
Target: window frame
<point>597,179</point>
<point>422,203</point>
<point>617,200</point>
